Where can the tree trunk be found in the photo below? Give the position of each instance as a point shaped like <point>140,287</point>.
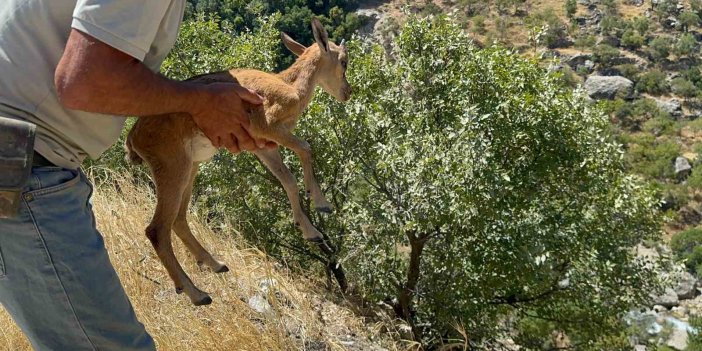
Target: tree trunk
<point>407,291</point>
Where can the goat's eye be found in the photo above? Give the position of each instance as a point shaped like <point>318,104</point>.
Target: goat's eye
<point>343,64</point>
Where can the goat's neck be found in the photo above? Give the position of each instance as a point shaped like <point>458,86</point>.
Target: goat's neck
<point>302,75</point>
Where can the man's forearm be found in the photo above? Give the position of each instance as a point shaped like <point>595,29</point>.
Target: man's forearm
<point>115,83</point>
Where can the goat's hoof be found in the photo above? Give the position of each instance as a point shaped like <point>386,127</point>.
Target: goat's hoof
<point>222,269</point>
<point>205,300</point>
<point>324,209</point>
<point>179,291</point>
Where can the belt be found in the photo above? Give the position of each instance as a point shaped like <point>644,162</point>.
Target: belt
<point>40,161</point>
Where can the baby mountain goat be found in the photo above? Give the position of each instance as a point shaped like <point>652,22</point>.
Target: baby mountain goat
<point>173,146</point>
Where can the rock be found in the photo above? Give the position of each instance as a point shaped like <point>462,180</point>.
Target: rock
<point>636,3</point>
<point>686,287</point>
<point>670,22</point>
<point>672,106</point>
<point>679,311</point>
<point>259,304</point>
<point>680,64</point>
<point>659,309</point>
<point>578,60</point>
<point>372,18</point>
<point>668,299</point>
<point>549,54</point>
<point>682,168</point>
<point>609,40</point>
<point>560,43</point>
<point>640,348</point>
<point>689,216</point>
<point>601,87</point>
<point>609,72</point>
<point>507,344</point>
<point>677,339</point>
<point>623,60</point>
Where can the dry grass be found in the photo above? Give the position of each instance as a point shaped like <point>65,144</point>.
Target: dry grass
<point>296,320</point>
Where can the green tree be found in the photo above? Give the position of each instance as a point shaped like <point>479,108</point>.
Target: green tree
<point>479,24</point>
<point>446,166</point>
<point>665,8</point>
<point>684,88</point>
<point>696,6</point>
<point>686,45</point>
<point>687,246</point>
<point>641,25</point>
<point>653,82</point>
<point>689,19</point>
<point>604,54</point>
<point>660,48</point>
<point>611,7</point>
<point>571,6</point>
<point>632,40</point>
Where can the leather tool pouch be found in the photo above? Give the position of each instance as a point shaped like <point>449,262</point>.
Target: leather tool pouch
<point>16,152</point>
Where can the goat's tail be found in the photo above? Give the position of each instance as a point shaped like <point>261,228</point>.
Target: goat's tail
<point>131,156</point>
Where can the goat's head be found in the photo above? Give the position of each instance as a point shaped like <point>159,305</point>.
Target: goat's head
<point>333,61</point>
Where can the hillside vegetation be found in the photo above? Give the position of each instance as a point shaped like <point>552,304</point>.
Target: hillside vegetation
<point>481,203</point>
<point>258,305</point>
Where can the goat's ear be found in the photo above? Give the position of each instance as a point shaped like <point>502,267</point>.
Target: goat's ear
<point>295,47</point>
<point>320,34</point>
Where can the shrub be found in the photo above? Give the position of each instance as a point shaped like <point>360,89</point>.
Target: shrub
<point>641,24</point>
<point>633,115</point>
<point>695,178</point>
<point>629,71</point>
<point>653,82</point>
<point>660,126</point>
<point>652,157</point>
<point>632,40</point>
<point>659,48</point>
<point>684,88</point>
<point>479,24</point>
<point>687,246</point>
<point>689,19</point>
<point>686,45</point>
<point>610,25</point>
<point>605,54</point>
<point>694,75</point>
<point>553,28</point>
<point>571,6</point>
<point>585,41</point>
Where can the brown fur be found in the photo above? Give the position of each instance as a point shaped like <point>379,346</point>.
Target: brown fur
<point>172,146</point>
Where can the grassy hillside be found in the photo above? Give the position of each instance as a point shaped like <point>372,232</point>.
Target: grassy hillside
<point>301,316</point>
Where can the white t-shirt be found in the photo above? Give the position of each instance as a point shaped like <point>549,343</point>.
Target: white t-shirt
<point>33,35</point>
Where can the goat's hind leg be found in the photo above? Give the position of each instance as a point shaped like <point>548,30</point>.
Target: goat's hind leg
<point>171,179</point>
<point>182,229</point>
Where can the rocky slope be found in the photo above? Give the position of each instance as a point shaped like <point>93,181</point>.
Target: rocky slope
<point>638,59</point>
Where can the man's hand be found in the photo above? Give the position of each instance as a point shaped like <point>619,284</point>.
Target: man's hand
<point>223,115</point>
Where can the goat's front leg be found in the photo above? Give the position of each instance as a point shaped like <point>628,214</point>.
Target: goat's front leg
<point>304,152</point>
<point>274,162</point>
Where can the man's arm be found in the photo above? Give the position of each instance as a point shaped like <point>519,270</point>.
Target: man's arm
<point>95,77</point>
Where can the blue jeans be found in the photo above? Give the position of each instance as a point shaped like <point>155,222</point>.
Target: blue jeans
<point>56,279</point>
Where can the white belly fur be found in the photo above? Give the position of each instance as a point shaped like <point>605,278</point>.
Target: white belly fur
<point>202,148</point>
